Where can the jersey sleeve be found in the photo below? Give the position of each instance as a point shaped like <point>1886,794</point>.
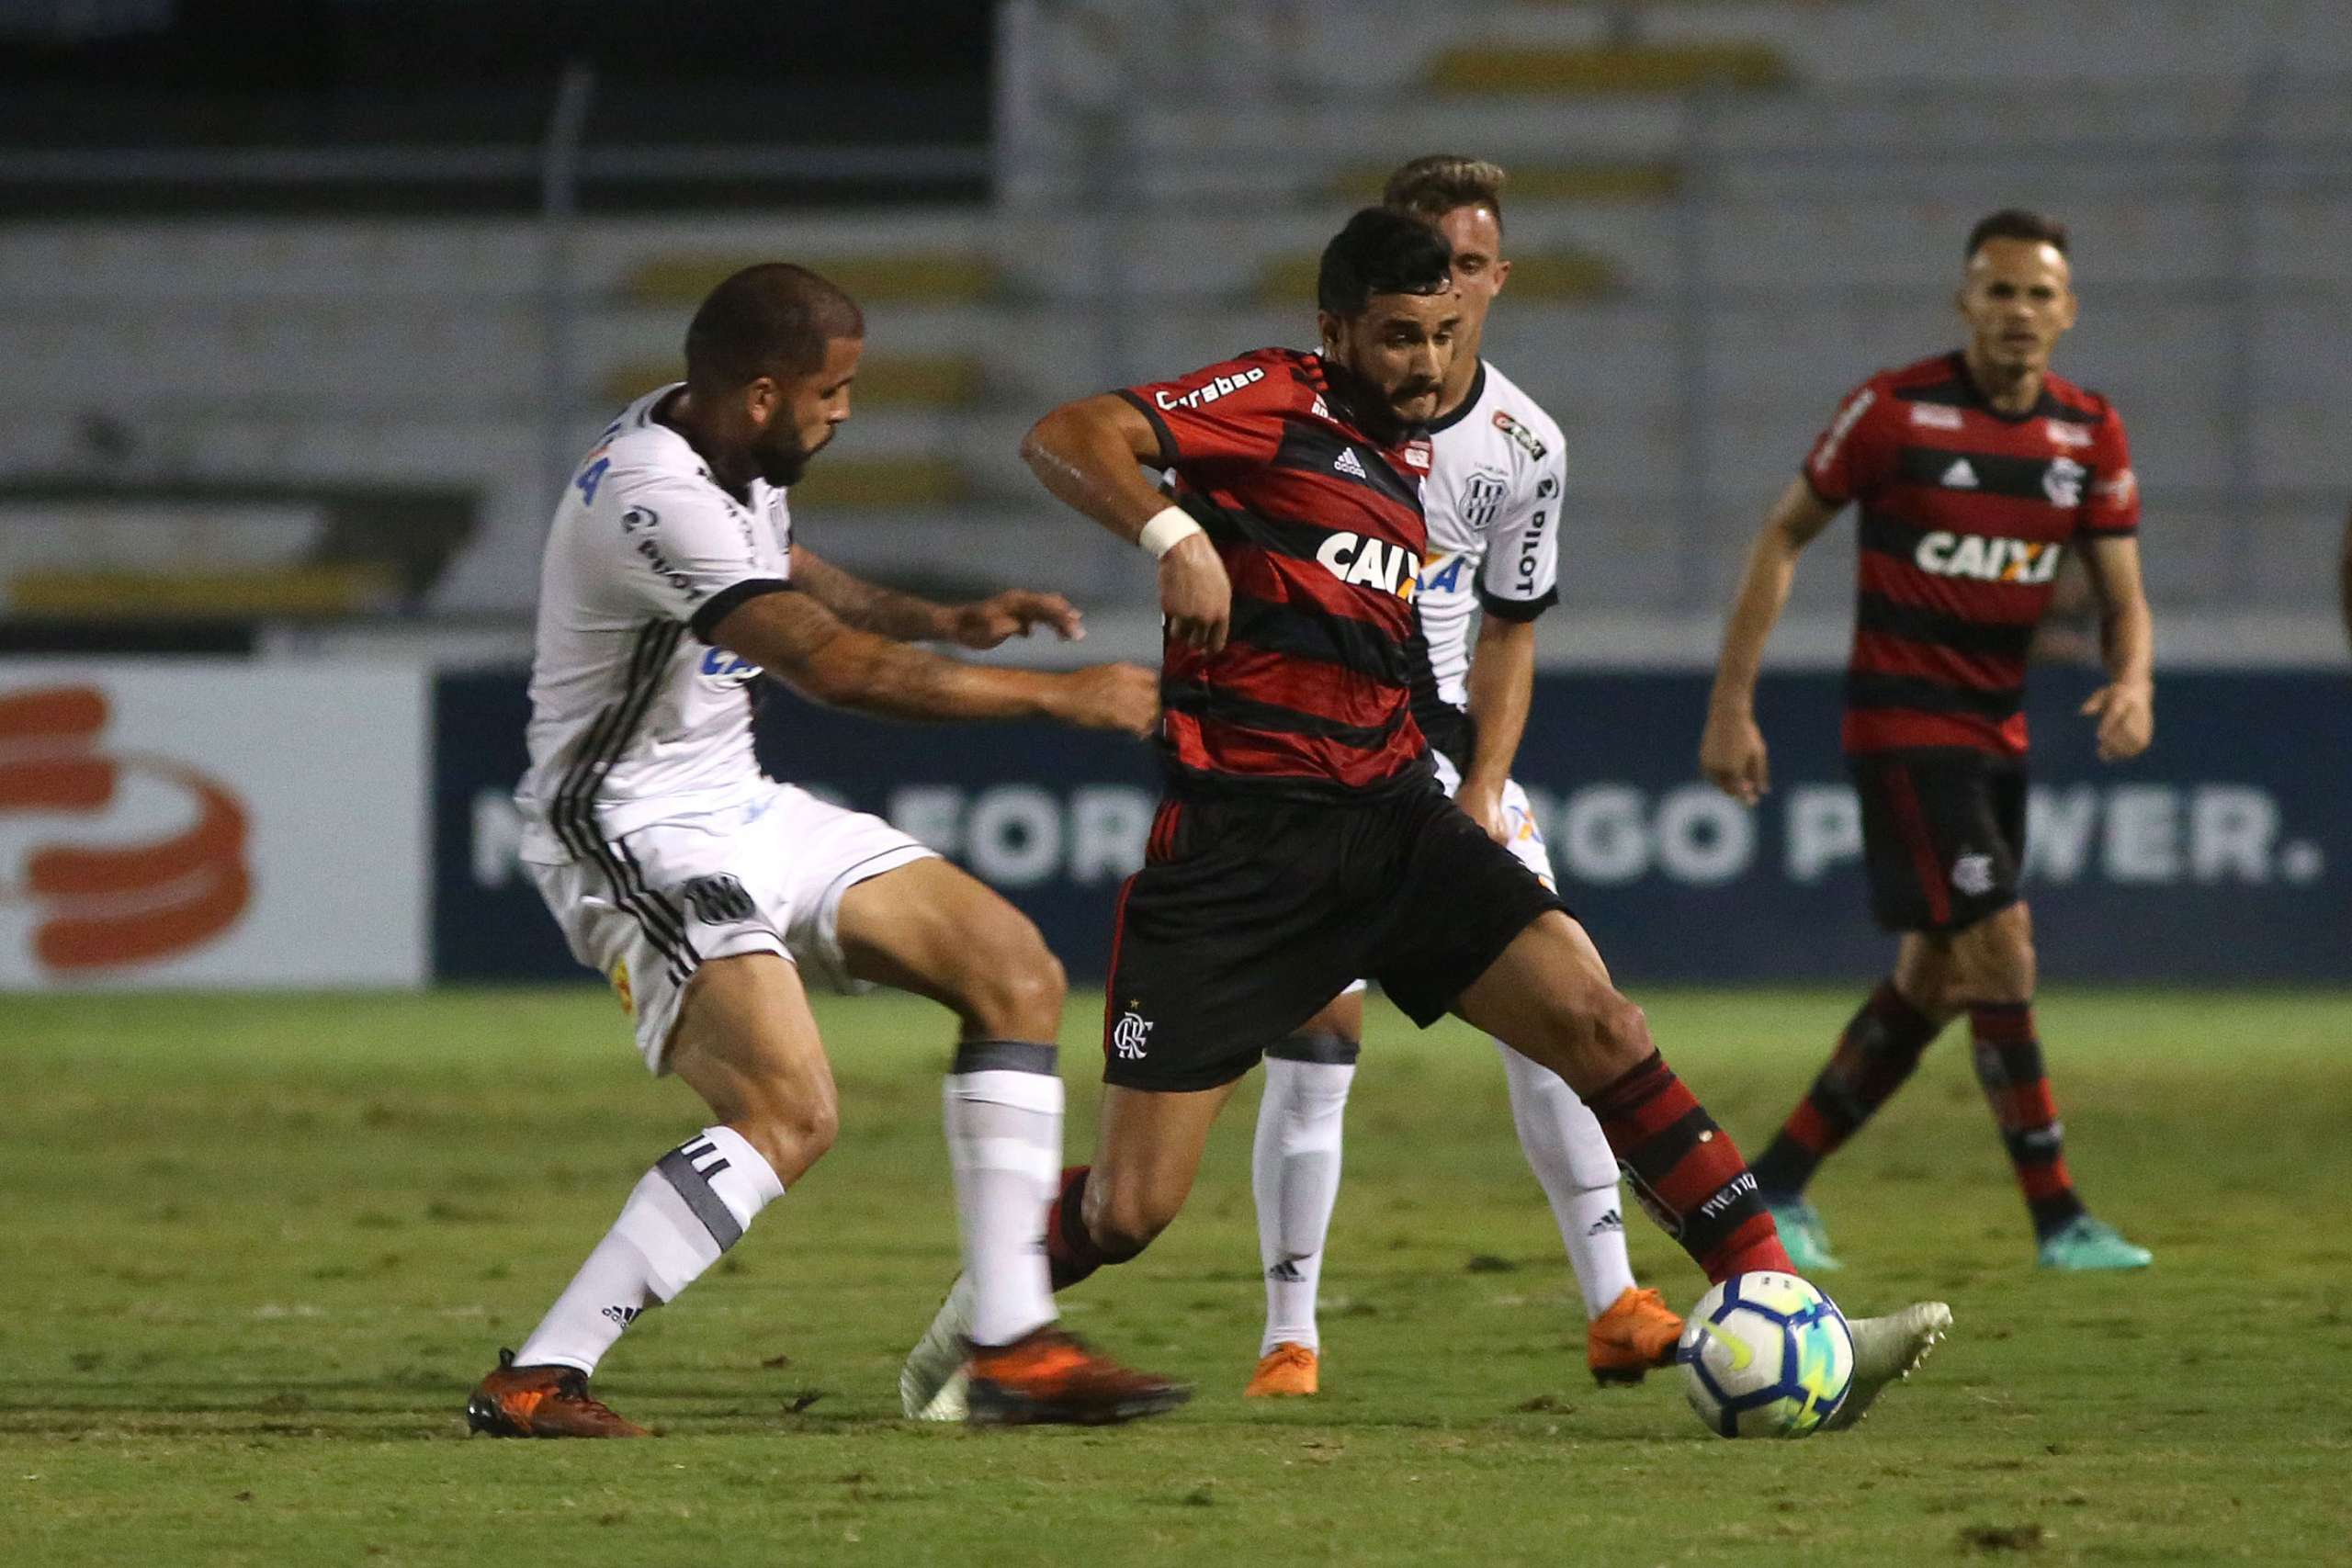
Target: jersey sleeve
<point>2112,501</point>
<point>1855,454</point>
<point>1227,413</point>
<point>686,552</point>
<point>1520,577</point>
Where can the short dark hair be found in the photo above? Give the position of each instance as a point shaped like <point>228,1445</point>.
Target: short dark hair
<point>773,318</point>
<point>2017,223</point>
<point>1381,251</point>
<point>1432,187</point>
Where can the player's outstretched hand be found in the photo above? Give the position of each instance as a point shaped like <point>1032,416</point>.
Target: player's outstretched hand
<point>1122,697</point>
<point>2127,719</point>
<point>1732,755</point>
<point>1015,613</point>
<point>1195,596</point>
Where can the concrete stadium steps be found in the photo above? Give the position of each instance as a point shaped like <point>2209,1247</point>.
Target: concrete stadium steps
<point>983,544</point>
<point>842,482</point>
<point>1226,256</point>
<point>1530,182</point>
<point>284,593</point>
<point>1588,70</point>
<point>1328,155</point>
<point>1573,274</point>
<point>936,381</point>
<point>1932,40</point>
<point>957,276</point>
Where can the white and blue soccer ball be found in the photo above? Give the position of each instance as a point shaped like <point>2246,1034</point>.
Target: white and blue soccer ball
<point>1766,1355</point>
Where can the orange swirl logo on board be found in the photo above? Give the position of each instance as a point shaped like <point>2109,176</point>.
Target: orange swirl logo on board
<point>116,905</point>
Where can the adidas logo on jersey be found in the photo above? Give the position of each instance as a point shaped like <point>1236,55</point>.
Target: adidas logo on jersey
<point>1959,476</point>
<point>1350,463</point>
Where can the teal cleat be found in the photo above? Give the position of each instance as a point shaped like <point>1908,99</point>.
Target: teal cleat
<point>1803,1234</point>
<point>2084,1243</point>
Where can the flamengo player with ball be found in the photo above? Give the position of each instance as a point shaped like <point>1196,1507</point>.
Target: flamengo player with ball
<point>1304,817</point>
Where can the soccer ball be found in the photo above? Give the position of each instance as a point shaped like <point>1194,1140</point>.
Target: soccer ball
<point>1765,1355</point>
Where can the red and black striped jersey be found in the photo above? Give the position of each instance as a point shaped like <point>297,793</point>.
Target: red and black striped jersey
<point>1965,515</point>
<point>1320,528</point>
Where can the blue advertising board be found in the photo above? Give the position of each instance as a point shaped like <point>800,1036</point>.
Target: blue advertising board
<point>2225,854</point>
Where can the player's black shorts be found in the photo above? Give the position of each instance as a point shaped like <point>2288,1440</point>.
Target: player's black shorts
<point>1943,834</point>
<point>1251,915</point>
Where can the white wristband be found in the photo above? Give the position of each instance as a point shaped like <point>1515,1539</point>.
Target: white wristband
<point>1169,527</point>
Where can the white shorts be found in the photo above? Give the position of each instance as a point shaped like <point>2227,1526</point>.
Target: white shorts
<point>766,876</point>
<point>1526,835</point>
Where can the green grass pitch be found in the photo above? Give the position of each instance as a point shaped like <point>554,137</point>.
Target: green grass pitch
<point>257,1250</point>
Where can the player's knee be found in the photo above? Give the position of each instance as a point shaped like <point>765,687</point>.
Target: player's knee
<point>1938,993</point>
<point>1593,1037</point>
<point>793,1132</point>
<point>1603,1035</point>
<point>1015,987</point>
<point>1995,961</point>
<point>1122,1223</point>
<point>1617,1030</point>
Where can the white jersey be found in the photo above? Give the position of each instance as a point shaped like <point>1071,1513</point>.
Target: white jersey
<point>635,718</point>
<point>1493,502</point>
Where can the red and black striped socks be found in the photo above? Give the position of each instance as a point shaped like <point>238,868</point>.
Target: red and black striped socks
<point>1686,1172</point>
<point>1882,1044</point>
<point>2008,1066</point>
<point>1071,1251</point>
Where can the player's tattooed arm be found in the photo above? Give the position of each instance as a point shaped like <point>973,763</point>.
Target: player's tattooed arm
<point>800,641</point>
<point>2125,706</point>
<point>983,624</point>
<point>1731,749</point>
<point>1089,455</point>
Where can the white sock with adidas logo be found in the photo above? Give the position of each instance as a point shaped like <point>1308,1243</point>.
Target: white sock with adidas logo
<point>691,1207</point>
<point>1294,1174</point>
<point>1572,1160</point>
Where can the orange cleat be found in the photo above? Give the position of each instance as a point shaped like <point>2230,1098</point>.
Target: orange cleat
<point>1049,1376</point>
<point>542,1402</point>
<point>1289,1371</point>
<point>1635,1335</point>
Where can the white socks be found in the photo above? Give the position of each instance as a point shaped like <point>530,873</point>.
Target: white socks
<point>692,1205</point>
<point>1294,1174</point>
<point>1005,1139</point>
<point>1572,1160</point>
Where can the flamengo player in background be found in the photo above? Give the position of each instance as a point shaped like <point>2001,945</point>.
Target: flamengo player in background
<point>1492,500</point>
<point>711,896</point>
<point>1975,472</point>
<point>1304,842</point>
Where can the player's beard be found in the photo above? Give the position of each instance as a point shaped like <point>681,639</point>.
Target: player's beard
<point>781,458</point>
<point>1375,414</point>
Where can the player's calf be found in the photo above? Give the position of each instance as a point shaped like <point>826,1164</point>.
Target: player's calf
<point>1549,997</point>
